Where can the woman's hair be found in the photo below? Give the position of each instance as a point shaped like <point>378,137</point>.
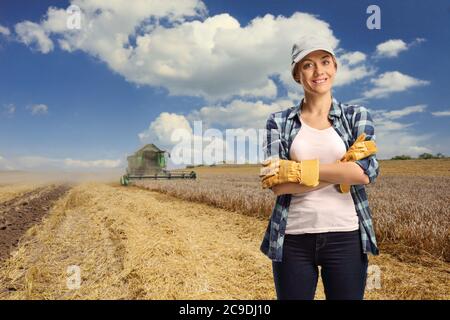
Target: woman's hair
<point>296,77</point>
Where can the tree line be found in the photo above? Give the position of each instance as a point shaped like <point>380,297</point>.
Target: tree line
<point>421,156</point>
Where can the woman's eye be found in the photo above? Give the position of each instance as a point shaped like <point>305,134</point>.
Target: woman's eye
<point>327,62</point>
<point>306,65</point>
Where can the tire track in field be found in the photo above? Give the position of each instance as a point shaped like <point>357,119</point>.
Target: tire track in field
<point>21,213</point>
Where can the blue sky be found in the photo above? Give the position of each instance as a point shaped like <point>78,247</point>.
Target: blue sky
<point>134,72</point>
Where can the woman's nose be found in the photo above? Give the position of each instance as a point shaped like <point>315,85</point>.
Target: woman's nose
<point>318,71</point>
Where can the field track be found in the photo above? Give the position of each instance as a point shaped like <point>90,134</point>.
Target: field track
<point>22,212</point>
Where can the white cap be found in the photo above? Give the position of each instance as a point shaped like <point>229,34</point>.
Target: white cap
<point>307,44</point>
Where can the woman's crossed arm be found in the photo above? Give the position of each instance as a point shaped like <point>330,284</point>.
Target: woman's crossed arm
<point>330,173</point>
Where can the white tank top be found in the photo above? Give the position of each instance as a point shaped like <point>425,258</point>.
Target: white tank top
<point>326,209</point>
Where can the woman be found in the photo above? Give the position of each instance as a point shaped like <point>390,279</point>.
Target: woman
<point>313,153</point>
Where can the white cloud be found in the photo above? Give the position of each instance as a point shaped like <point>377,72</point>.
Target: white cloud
<point>38,109</point>
<point>239,113</point>
<point>32,33</point>
<point>92,163</point>
<point>218,58</point>
<point>352,58</point>
<point>236,119</point>
<point>395,137</point>
<point>445,113</point>
<point>9,110</point>
<point>40,162</point>
<point>390,82</point>
<point>391,48</point>
<point>160,130</point>
<point>4,31</point>
<point>418,41</point>
<point>395,114</point>
<point>347,74</point>
<point>215,57</point>
<point>268,91</point>
<point>173,133</point>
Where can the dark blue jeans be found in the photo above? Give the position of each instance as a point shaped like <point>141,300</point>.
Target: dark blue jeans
<point>343,266</point>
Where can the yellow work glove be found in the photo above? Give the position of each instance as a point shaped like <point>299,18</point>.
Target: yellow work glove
<point>278,171</point>
<point>359,150</point>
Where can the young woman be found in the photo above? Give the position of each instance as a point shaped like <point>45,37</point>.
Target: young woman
<point>315,222</point>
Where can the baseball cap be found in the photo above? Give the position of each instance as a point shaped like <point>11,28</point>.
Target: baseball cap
<point>307,44</point>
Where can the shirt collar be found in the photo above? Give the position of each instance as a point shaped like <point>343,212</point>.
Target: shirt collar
<point>335,110</point>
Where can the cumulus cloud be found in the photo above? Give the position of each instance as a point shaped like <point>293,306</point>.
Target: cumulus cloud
<point>191,54</point>
<point>349,73</point>
<point>239,113</point>
<point>390,82</point>
<point>4,31</point>
<point>392,48</point>
<point>9,110</point>
<point>231,132</point>
<point>32,34</point>
<point>160,130</point>
<point>352,58</point>
<point>38,109</point>
<point>212,134</point>
<point>218,58</point>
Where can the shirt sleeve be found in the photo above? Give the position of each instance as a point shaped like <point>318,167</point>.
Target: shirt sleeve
<point>362,122</point>
<point>272,140</point>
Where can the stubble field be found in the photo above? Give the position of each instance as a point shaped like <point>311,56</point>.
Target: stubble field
<point>200,239</point>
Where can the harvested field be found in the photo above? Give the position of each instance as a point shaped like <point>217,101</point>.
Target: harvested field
<point>407,211</point>
<point>10,191</point>
<point>200,239</point>
<point>21,213</point>
<point>136,244</point>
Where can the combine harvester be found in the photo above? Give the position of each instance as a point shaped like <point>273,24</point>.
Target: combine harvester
<point>149,162</point>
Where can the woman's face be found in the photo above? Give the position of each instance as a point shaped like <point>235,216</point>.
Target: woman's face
<point>316,72</point>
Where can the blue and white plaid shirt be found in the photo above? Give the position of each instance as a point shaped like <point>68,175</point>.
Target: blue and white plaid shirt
<point>349,121</point>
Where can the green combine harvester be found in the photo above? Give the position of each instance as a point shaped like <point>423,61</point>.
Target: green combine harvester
<point>149,162</point>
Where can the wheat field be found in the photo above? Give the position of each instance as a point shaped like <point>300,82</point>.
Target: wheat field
<point>409,200</point>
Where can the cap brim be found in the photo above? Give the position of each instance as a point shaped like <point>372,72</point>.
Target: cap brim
<point>306,52</point>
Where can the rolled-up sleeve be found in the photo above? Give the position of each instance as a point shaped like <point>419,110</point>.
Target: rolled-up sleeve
<point>362,122</point>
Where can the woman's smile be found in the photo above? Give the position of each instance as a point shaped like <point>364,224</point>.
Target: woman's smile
<point>320,81</point>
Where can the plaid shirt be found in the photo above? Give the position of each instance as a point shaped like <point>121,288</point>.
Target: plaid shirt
<point>349,121</point>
